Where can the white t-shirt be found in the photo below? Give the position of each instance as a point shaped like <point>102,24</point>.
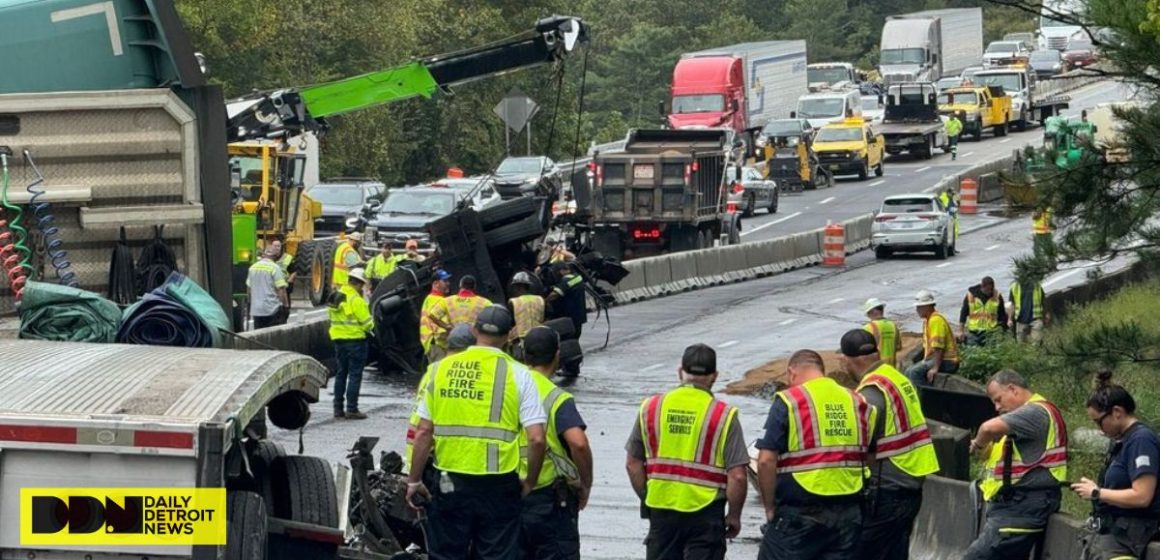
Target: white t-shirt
<point>531,409</point>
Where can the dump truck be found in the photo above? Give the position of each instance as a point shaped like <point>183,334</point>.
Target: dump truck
<point>926,46</point>
<point>911,122</point>
<point>1031,98</point>
<point>979,107</point>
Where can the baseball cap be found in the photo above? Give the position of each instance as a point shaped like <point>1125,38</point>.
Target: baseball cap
<point>441,274</point>
<point>858,342</point>
<point>495,320</point>
<point>460,337</point>
<point>355,236</point>
<point>541,342</point>
<point>699,359</point>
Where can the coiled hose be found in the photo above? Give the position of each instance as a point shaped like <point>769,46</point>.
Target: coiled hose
<point>13,254</point>
<point>57,256</point>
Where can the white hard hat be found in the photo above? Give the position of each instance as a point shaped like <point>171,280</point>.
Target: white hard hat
<point>871,304</point>
<point>359,274</point>
<point>355,236</point>
<point>522,278</point>
<point>923,297</point>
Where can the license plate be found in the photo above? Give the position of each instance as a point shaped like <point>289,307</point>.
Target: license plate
<point>643,171</point>
<point>907,225</point>
<point>834,167</point>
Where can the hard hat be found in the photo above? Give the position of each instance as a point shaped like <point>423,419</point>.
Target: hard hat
<point>924,297</point>
<point>522,278</point>
<point>872,303</point>
<point>355,236</point>
<point>359,274</point>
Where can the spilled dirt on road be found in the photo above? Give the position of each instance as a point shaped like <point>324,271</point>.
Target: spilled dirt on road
<point>767,379</point>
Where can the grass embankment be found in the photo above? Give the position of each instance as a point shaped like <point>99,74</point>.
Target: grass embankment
<point>1121,333</point>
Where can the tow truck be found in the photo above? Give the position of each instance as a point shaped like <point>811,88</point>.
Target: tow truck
<point>911,122</point>
<point>851,146</point>
<point>982,106</point>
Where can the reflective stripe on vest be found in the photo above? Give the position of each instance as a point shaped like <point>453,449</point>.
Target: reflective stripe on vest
<point>557,463</point>
<point>340,274</point>
<point>413,423</point>
<point>1054,457</point>
<point>828,437</point>
<point>474,405</point>
<point>886,335</point>
<point>905,439</point>
<point>343,323</point>
<point>684,433</point>
<point>984,315</point>
<point>428,330</point>
<point>528,311</point>
<point>1036,300</point>
<point>465,309</point>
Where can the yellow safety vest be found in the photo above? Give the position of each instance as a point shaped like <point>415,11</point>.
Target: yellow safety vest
<point>350,320</point>
<point>829,435</point>
<point>528,311</point>
<point>380,267</point>
<point>905,439</point>
<point>285,261</point>
<point>886,334</point>
<point>429,332</point>
<point>462,309</point>
<point>1054,457</point>
<point>341,272</point>
<point>475,407</point>
<point>983,315</point>
<point>1041,223</point>
<point>557,463</point>
<point>1036,300</point>
<point>413,423</point>
<point>684,433</point>
<point>950,349</point>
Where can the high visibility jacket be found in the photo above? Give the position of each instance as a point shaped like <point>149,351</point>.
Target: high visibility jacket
<point>463,307</point>
<point>413,423</point>
<point>1054,457</point>
<point>937,330</point>
<point>380,267</point>
<point>954,127</point>
<point>886,334</point>
<point>474,404</point>
<point>1041,223</point>
<point>351,319</point>
<point>528,311</point>
<point>341,271</point>
<point>684,433</point>
<point>983,315</point>
<point>429,332</point>
<point>557,462</point>
<point>1036,300</point>
<point>285,261</point>
<point>829,436</point>
<point>905,439</point>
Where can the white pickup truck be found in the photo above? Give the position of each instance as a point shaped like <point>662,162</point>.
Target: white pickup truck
<point>109,416</point>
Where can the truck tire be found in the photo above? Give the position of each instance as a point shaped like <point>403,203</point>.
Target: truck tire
<point>864,172</point>
<point>304,491</point>
<point>571,356</point>
<point>563,327</point>
<point>977,133</point>
<point>246,524</point>
<point>682,238</point>
<point>507,212</point>
<point>940,252</point>
<point>304,258</point>
<point>525,230</point>
<point>262,458</point>
<point>1001,130</point>
<point>879,171</point>
<point>927,149</point>
<point>321,272</point>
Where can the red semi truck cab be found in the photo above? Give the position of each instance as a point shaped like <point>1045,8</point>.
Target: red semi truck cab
<point>708,92</point>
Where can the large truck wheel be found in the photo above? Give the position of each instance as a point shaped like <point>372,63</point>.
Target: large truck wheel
<point>321,272</point>
<point>304,491</point>
<point>246,525</point>
<point>864,172</point>
<point>1001,130</point>
<point>507,212</point>
<point>304,258</point>
<point>977,133</point>
<point>571,356</point>
<point>563,327</point>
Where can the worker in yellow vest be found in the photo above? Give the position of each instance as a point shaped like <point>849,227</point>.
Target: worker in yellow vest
<point>350,325</point>
<point>475,405</point>
<point>527,307</point>
<point>1025,312</point>
<point>462,307</point>
<point>432,336</point>
<point>983,314</point>
<point>551,511</point>
<point>459,340</point>
<point>382,265</point>
<point>903,451</point>
<point>885,332</point>
<point>346,257</point>
<point>285,261</point>
<point>940,351</point>
<point>1042,242</point>
<point>811,478</point>
<point>686,462</point>
<point>1025,449</point>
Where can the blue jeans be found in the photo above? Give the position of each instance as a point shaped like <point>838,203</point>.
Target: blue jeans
<point>352,358</point>
<point>917,372</point>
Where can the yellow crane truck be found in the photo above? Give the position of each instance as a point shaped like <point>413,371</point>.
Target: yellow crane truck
<point>979,107</point>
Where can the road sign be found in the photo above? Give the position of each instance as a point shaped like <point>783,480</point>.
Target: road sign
<point>516,110</point>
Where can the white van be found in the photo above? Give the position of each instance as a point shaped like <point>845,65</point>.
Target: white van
<point>829,106</point>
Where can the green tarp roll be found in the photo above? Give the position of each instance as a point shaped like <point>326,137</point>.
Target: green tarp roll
<point>55,312</point>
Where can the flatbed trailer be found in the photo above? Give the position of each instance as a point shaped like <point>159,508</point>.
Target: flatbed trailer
<point>911,122</point>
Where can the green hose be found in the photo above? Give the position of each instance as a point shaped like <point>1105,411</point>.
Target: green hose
<point>22,234</point>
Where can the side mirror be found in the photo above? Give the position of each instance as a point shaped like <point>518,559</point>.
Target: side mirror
<point>793,114</point>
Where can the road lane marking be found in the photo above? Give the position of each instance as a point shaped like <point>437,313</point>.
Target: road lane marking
<point>773,223</point>
<point>786,322</point>
<point>944,265</point>
<point>837,299</point>
<point>992,247</point>
<point>921,169</point>
<point>728,344</point>
<point>878,182</point>
<point>654,366</point>
<point>968,154</point>
<point>1004,141</point>
<point>828,200</point>
<point>1062,276</point>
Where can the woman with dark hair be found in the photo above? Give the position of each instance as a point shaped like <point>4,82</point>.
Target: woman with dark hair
<point>1126,511</point>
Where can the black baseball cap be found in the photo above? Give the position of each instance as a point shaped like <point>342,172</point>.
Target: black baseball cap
<point>495,320</point>
<point>699,359</point>
<point>858,342</point>
<point>541,344</point>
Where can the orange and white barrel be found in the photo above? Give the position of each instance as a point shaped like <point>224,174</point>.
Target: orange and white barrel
<point>834,245</point>
<point>968,196</point>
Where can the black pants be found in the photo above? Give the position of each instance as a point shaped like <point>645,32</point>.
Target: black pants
<point>274,320</point>
<point>889,520</point>
<point>1015,522</point>
<point>478,522</point>
<point>1121,537</point>
<point>823,532</point>
<point>551,525</point>
<point>674,535</point>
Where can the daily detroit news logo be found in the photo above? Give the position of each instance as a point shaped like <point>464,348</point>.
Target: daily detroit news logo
<point>122,516</point>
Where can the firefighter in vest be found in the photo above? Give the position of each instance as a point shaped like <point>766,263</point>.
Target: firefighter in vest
<point>350,326</point>
<point>983,313</point>
<point>461,308</point>
<point>459,340</point>
<point>1025,313</point>
<point>551,512</point>
<point>471,414</point>
<point>810,465</point>
<point>346,257</point>
<point>686,462</point>
<point>527,307</point>
<point>1025,452</point>
<point>885,332</point>
<point>903,451</point>
<point>432,336</point>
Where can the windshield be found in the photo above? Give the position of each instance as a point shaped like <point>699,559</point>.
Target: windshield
<point>337,195</point>
<point>1079,45</point>
<point>821,107</point>
<point>1011,83</point>
<point>907,205</point>
<point>827,75</point>
<point>1047,21</point>
<point>958,98</point>
<point>1050,55</point>
<point>1002,47</point>
<point>970,72</point>
<point>415,202</point>
<point>250,168</point>
<point>782,128</point>
<point>902,56</point>
<point>519,166</point>
<point>839,135</point>
<point>949,82</point>
<point>698,104</point>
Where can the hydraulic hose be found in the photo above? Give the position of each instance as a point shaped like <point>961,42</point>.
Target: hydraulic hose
<point>58,257</point>
<point>21,234</point>
<point>10,257</point>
